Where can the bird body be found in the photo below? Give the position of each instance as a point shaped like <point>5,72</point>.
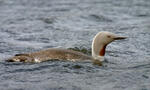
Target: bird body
<point>100,41</point>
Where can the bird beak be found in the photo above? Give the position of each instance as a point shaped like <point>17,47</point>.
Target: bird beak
<point>119,38</point>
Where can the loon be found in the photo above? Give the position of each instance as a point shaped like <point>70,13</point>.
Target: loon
<point>100,41</point>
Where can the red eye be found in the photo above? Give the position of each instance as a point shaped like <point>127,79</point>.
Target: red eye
<point>109,36</point>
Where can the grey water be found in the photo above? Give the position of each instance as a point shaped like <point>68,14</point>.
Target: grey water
<point>32,25</point>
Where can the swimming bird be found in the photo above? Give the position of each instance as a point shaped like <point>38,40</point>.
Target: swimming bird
<point>99,43</point>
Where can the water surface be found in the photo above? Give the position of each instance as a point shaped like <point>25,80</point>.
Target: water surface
<point>32,25</point>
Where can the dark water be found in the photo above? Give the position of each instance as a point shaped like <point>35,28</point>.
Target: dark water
<point>31,25</point>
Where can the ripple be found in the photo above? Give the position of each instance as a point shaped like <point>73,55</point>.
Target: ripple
<point>30,25</point>
<point>98,18</point>
<point>48,20</point>
<point>141,66</point>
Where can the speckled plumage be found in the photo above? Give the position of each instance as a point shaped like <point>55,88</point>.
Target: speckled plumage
<point>52,53</point>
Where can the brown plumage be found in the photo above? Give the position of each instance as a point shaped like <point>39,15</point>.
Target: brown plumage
<point>49,54</point>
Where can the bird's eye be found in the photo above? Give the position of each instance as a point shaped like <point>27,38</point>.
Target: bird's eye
<point>109,36</point>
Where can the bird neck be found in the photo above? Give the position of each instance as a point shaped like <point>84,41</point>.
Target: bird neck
<point>98,50</point>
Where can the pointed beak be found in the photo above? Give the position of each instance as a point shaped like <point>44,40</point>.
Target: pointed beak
<point>119,38</point>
